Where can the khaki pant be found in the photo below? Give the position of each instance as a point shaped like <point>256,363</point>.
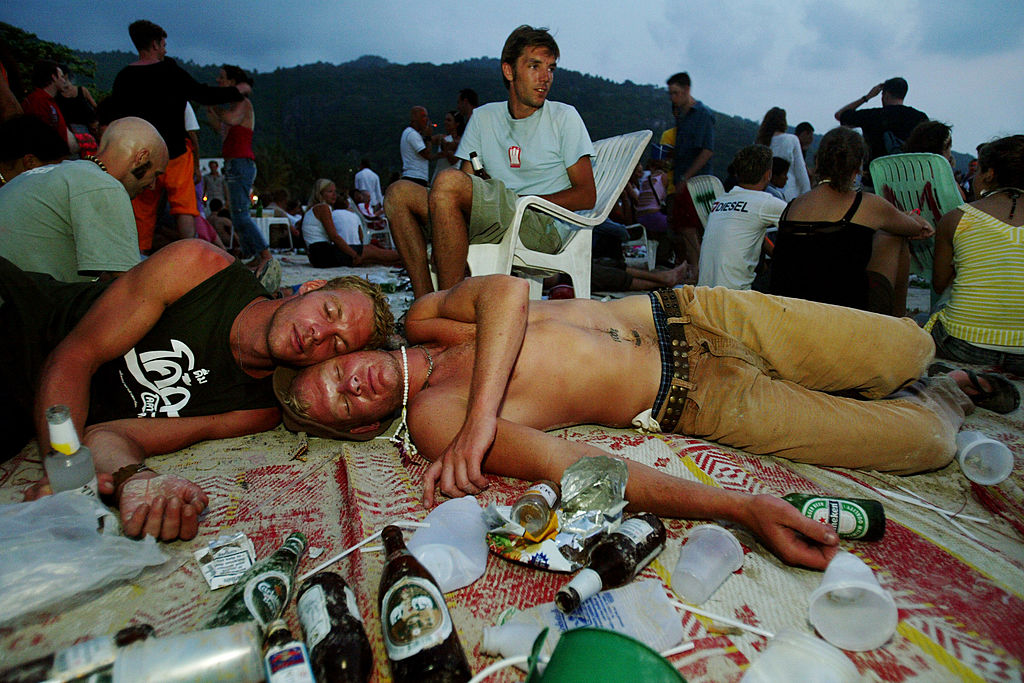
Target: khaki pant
<point>766,372</point>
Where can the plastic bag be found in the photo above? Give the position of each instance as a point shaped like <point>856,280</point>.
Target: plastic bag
<point>51,552</point>
<point>454,547</point>
<point>641,610</point>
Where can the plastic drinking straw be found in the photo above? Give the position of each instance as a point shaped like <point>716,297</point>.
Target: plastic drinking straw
<point>920,502</point>
<point>346,551</point>
<point>724,620</point>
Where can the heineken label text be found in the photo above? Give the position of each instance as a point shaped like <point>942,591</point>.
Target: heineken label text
<point>848,519</point>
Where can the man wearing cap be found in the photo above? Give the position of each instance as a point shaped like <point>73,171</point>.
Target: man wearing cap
<point>164,357</point>
<point>483,386</point>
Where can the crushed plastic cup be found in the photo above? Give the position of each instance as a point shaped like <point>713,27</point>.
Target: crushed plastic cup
<point>983,460</point>
<point>706,560</point>
<point>850,609</point>
<point>510,640</point>
<point>454,547</point>
<point>795,656</point>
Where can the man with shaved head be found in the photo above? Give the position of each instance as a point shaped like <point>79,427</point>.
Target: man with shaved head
<point>416,153</point>
<point>74,220</point>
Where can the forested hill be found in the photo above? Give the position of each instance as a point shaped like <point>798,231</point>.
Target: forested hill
<point>320,119</point>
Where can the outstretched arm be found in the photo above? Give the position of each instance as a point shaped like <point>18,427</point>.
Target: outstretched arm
<point>887,217</point>
<point>526,453</point>
<point>118,319</point>
<point>498,305</point>
<point>164,506</point>
<point>125,312</point>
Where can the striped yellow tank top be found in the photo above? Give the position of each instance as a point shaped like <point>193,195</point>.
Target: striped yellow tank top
<point>986,304</point>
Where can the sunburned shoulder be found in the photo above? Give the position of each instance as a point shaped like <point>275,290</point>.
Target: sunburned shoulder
<point>196,258</point>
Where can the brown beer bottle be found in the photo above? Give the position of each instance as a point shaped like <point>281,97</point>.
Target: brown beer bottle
<point>338,648</point>
<point>478,166</point>
<point>419,635</point>
<point>533,509</point>
<point>615,560</point>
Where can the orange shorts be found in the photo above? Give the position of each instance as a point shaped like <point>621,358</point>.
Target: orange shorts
<point>181,196</point>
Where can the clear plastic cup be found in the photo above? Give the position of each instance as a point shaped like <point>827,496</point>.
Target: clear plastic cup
<point>795,656</point>
<point>850,609</point>
<point>983,460</point>
<point>706,560</point>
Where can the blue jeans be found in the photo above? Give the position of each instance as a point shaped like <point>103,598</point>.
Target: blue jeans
<point>239,174</point>
<point>954,348</point>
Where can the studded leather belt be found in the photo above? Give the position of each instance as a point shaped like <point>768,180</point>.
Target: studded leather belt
<point>672,408</point>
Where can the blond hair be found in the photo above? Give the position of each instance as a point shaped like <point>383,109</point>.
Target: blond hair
<point>383,319</point>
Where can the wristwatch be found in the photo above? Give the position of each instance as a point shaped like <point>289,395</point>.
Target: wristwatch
<point>127,472</point>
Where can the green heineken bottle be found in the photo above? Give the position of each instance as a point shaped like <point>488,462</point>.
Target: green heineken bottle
<point>262,593</point>
<point>853,518</point>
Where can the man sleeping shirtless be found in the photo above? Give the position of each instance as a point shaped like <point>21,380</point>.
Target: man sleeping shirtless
<point>492,372</point>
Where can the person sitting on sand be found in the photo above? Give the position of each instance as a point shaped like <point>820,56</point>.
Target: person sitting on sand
<point>979,252</point>
<point>332,236</point>
<point>738,222</point>
<point>483,385</point>
<point>839,245</point>
<point>161,358</point>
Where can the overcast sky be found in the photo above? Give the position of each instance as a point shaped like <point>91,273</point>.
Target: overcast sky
<point>965,64</point>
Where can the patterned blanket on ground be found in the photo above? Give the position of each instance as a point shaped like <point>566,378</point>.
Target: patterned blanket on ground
<point>960,599</point>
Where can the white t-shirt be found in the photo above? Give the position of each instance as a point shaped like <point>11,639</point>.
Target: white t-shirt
<point>413,165</point>
<point>368,181</point>
<point>529,155</point>
<point>787,146</point>
<point>346,224</point>
<point>191,122</point>
<point>442,162</point>
<point>733,238</point>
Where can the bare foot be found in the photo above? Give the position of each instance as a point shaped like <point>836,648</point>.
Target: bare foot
<point>691,273</point>
<point>965,384</point>
<point>679,273</point>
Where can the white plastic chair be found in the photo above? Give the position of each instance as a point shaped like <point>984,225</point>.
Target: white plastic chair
<point>369,234</point>
<point>614,161</point>
<point>641,240</point>
<point>704,190</point>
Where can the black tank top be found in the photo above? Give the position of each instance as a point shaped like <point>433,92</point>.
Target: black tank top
<point>183,366</point>
<point>76,109</point>
<point>823,261</point>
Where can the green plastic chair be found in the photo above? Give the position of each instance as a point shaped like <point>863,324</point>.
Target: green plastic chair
<point>918,181</point>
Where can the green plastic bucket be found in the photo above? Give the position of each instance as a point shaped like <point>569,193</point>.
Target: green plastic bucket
<point>596,655</point>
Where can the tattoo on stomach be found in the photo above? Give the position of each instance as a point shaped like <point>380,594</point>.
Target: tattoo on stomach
<point>634,336</point>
